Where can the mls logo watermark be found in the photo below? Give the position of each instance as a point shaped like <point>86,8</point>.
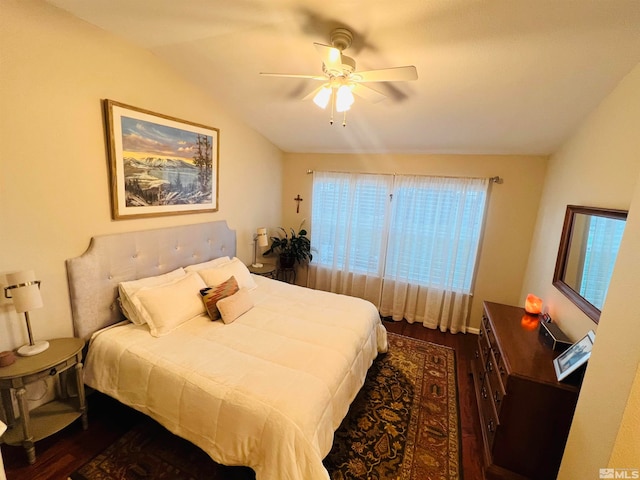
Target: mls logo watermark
<point>619,473</point>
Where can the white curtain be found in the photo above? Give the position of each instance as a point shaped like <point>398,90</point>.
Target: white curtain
<point>434,237</point>
<point>350,215</point>
<point>408,244</point>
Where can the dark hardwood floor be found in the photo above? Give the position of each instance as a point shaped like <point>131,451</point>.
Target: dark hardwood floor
<point>62,453</point>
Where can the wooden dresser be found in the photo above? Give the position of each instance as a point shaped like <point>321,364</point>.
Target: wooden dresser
<point>525,412</point>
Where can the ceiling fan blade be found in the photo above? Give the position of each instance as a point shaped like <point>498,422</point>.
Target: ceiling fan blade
<point>368,93</point>
<point>331,57</point>
<point>294,75</point>
<point>395,74</point>
<point>312,93</point>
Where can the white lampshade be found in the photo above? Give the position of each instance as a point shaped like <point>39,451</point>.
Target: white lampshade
<point>25,292</point>
<point>323,96</point>
<point>263,241</point>
<point>344,99</point>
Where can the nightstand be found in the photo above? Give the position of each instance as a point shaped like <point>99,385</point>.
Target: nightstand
<point>266,270</point>
<point>62,355</point>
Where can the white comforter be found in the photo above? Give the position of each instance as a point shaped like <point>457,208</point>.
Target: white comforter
<point>267,391</point>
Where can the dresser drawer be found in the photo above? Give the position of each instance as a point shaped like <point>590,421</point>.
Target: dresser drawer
<point>19,382</point>
<point>495,381</point>
<point>488,414</point>
<point>482,352</point>
<point>490,335</point>
<point>479,363</point>
<point>483,342</point>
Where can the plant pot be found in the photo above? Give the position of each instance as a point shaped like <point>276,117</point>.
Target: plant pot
<point>287,261</point>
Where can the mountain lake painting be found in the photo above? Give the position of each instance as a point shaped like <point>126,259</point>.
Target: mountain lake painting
<point>163,165</point>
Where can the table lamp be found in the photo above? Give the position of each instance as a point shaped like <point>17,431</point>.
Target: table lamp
<point>259,239</point>
<point>533,304</point>
<point>24,290</point>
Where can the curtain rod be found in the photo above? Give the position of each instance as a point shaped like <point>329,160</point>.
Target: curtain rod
<point>495,179</point>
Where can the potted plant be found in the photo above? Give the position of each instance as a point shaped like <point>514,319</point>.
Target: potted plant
<point>291,246</point>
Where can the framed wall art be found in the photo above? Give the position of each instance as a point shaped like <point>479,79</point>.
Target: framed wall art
<point>160,165</point>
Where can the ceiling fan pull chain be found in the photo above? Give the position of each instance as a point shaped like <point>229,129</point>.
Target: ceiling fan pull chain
<point>344,119</point>
<point>333,105</point>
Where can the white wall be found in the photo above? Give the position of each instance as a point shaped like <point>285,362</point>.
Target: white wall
<point>598,166</point>
<point>54,184</point>
<point>626,450</point>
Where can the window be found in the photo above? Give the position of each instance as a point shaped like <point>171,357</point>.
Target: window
<point>603,242</point>
<point>349,214</point>
<point>419,230</point>
<point>435,231</point>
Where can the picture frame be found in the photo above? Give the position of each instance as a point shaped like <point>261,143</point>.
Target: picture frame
<point>159,165</point>
<point>574,357</point>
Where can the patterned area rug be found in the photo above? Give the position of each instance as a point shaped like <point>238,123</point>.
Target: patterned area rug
<point>403,425</point>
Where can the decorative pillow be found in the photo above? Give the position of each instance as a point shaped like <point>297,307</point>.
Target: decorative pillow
<point>234,306</point>
<point>212,295</point>
<point>235,268</point>
<point>216,262</point>
<point>129,302</point>
<point>170,305</point>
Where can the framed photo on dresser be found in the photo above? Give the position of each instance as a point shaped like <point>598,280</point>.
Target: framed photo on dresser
<point>574,357</point>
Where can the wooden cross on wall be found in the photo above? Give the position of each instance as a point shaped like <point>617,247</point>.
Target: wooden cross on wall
<point>298,199</point>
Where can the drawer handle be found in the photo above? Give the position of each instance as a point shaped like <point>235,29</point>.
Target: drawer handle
<point>491,426</point>
<point>496,397</point>
<point>53,371</point>
<point>477,354</point>
<point>484,393</point>
<point>490,366</point>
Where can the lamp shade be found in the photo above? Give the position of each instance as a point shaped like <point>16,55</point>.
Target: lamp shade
<point>25,291</point>
<point>323,96</point>
<point>344,99</point>
<point>263,241</point>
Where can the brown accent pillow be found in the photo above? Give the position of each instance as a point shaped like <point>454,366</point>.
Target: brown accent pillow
<point>211,295</point>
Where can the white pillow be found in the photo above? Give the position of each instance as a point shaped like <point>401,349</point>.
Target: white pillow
<point>128,300</point>
<point>235,305</point>
<point>216,262</point>
<point>170,305</point>
<point>235,268</point>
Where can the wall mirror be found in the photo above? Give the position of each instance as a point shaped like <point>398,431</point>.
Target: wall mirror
<point>588,250</point>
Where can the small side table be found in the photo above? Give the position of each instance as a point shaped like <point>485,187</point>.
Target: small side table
<point>266,270</point>
<point>47,419</point>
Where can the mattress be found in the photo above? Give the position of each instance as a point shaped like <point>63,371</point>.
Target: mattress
<point>267,391</point>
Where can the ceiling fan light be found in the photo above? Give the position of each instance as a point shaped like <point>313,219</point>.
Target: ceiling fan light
<point>335,55</point>
<point>323,96</point>
<point>344,98</point>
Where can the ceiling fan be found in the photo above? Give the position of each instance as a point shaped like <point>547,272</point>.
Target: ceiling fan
<point>342,80</point>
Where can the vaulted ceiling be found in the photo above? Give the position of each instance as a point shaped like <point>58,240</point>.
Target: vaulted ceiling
<point>495,76</point>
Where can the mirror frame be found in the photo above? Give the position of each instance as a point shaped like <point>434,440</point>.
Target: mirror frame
<point>582,303</point>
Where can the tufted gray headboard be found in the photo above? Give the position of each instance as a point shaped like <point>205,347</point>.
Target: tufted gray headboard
<point>111,259</point>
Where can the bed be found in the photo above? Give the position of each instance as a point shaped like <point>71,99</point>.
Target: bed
<point>265,390</point>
